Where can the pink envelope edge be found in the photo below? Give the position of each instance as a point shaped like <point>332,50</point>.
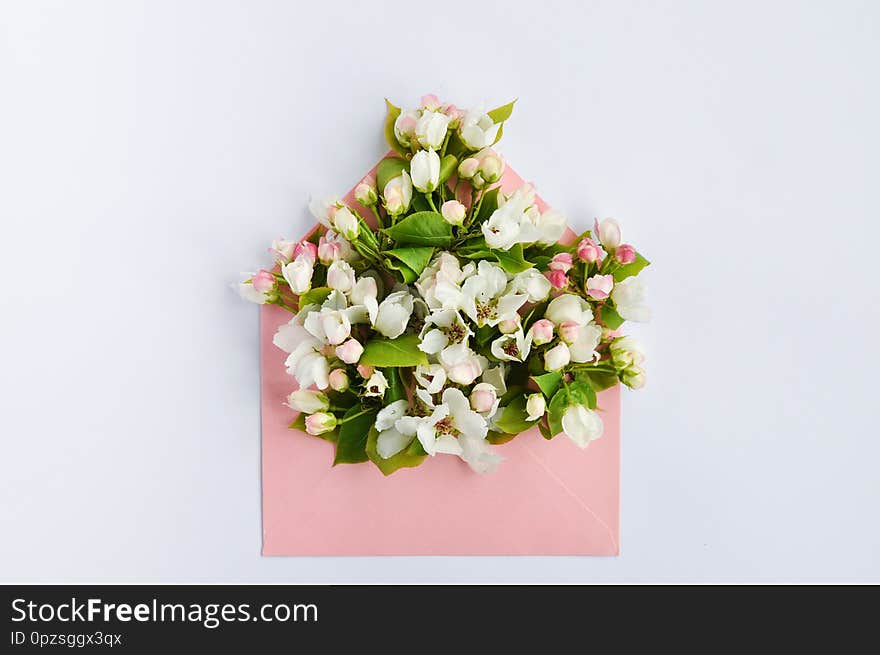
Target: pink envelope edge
<point>547,497</point>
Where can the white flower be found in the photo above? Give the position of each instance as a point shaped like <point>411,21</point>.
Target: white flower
<point>443,328</point>
<point>629,298</point>
<point>513,347</point>
<point>391,440</point>
<point>484,299</point>
<point>376,385</point>
<point>432,377</point>
<point>305,361</point>
<point>557,357</point>
<point>366,292</point>
<point>453,212</point>
<point>323,208</point>
<point>425,170</point>
<point>462,365</point>
<point>535,406</point>
<point>398,194</point>
<point>333,246</point>
<point>331,324</point>
<point>634,377</point>
<point>512,222</point>
<point>568,307</point>
<point>305,400</point>
<point>626,352</point>
<point>350,351</point>
<point>532,283</point>
<point>340,276</point>
<point>477,129</point>
<point>346,223</point>
<point>439,282</point>
<point>389,414</point>
<point>582,425</point>
<point>320,423</point>
<point>405,127</point>
<point>551,226</point>
<point>454,418</point>
<point>583,348</point>
<point>495,377</point>
<point>608,233</point>
<point>431,129</point>
<point>393,314</point>
<point>298,274</point>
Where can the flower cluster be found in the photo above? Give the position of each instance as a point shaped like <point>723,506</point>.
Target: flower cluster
<point>438,315</point>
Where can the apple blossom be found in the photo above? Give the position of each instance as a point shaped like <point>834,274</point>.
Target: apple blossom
<point>513,347</point>
<point>432,377</point>
<point>628,297</point>
<point>536,405</point>
<point>305,360</point>
<point>364,371</point>
<point>542,332</point>
<point>308,401</point>
<point>532,283</point>
<point>340,276</point>
<point>323,209</point>
<point>454,114</point>
<point>477,129</point>
<point>582,425</point>
<point>484,299</point>
<point>557,357</point>
<point>626,352</point>
<point>509,326</point>
<point>468,168</point>
<point>551,226</point>
<point>453,212</point>
<point>599,286</point>
<point>365,192</point>
<point>339,379</point>
<point>393,314</point>
<point>298,274</point>
<point>561,262</point>
<point>431,129</point>
<point>484,399</point>
<point>569,331</point>
<point>346,223</point>
<point>625,254</point>
<point>376,385</point>
<point>608,232</point>
<point>282,251</point>
<point>583,348</point>
<point>558,279</point>
<point>430,102</point>
<point>405,127</point>
<point>588,251</point>
<point>320,423</point>
<point>398,194</point>
<point>350,351</point>
<point>634,377</point>
<point>366,292</point>
<point>425,170</point>
<point>462,365</point>
<point>443,328</point>
<point>491,165</point>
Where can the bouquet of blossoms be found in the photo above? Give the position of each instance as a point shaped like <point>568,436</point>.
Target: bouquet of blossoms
<point>441,316</point>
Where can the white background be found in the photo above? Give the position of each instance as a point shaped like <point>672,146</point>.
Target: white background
<point>149,152</point>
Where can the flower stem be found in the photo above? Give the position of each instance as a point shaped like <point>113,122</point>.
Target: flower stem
<point>431,201</point>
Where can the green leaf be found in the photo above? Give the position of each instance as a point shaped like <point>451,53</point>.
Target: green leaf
<point>455,146</point>
<point>416,448</point>
<point>610,317</point>
<point>422,229</point>
<point>402,351</point>
<point>581,392</point>
<point>388,169</point>
<point>512,260</point>
<point>497,438</point>
<point>488,205</point>
<point>545,431</point>
<point>555,411</point>
<point>403,459</point>
<point>548,383</point>
<point>599,379</point>
<point>314,296</point>
<point>403,272</point>
<point>628,270</point>
<point>513,417</point>
<point>502,113</point>
<point>415,257</point>
<point>352,443</point>
<point>499,134</point>
<point>448,166</point>
<point>396,390</point>
<point>390,117</point>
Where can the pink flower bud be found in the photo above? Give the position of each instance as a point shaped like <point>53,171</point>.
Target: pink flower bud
<point>558,279</point>
<point>569,331</point>
<point>365,371</point>
<point>542,332</point>
<point>263,281</point>
<point>589,251</point>
<point>561,262</point>
<point>483,398</point>
<point>491,168</point>
<point>454,114</point>
<point>625,254</point>
<point>468,168</point>
<point>453,212</point>
<point>328,250</point>
<point>350,351</point>
<point>599,286</point>
<point>339,380</point>
<point>307,250</point>
<point>430,101</point>
<point>365,192</point>
<point>406,125</point>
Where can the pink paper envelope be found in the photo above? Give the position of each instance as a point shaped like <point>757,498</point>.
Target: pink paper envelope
<point>546,498</point>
